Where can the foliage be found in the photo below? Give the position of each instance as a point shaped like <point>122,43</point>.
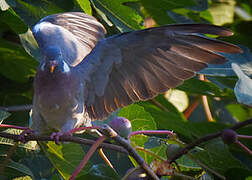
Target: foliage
<point>18,52</point>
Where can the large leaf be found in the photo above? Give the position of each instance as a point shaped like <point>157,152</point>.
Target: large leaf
<point>16,64</point>
<point>10,18</point>
<point>14,169</point>
<point>124,17</point>
<point>195,86</point>
<point>65,157</point>
<point>217,157</point>
<point>140,120</point>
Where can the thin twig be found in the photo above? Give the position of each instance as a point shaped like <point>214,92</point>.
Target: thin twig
<point>108,131</point>
<point>26,107</point>
<point>87,156</point>
<point>244,147</point>
<point>244,136</point>
<point>192,107</point>
<point>205,102</point>
<point>207,138</point>
<point>104,157</point>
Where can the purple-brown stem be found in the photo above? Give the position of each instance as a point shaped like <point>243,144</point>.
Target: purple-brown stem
<point>13,126</point>
<point>87,156</point>
<point>244,136</point>
<point>244,147</point>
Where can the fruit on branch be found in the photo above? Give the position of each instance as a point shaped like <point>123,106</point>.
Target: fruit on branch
<point>171,150</point>
<point>229,136</point>
<point>122,126</point>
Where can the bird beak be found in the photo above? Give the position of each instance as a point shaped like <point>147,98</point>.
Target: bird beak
<point>52,67</point>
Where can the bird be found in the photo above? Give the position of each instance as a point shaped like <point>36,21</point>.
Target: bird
<point>85,76</point>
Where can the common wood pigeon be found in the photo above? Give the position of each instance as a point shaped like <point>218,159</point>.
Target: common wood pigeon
<point>84,76</point>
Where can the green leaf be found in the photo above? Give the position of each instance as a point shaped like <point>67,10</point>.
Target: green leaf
<point>85,6</point>
<point>217,157</point>
<point>238,111</point>
<point>159,10</point>
<point>14,169</point>
<point>65,157</point>
<point>10,18</point>
<point>16,64</point>
<point>124,17</point>
<point>139,118</point>
<point>196,86</point>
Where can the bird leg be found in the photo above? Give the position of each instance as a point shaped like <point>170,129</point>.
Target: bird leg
<point>56,135</point>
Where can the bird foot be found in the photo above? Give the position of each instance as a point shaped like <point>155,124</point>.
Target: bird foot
<point>26,132</point>
<point>56,136</point>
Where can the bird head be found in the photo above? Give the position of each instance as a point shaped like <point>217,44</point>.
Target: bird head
<point>53,61</point>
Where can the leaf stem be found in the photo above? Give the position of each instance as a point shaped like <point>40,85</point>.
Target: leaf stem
<point>244,147</point>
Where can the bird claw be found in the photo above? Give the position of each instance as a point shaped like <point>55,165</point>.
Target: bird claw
<point>26,132</point>
<point>56,136</point>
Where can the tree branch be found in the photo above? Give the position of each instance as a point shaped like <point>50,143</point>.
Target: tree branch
<point>109,132</point>
<point>64,138</point>
<point>207,138</point>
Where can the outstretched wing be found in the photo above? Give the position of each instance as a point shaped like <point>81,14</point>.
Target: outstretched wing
<point>139,65</point>
<point>75,33</point>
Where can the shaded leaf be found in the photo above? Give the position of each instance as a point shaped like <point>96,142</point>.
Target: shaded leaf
<point>16,64</point>
<point>159,11</point>
<point>218,158</point>
<point>124,17</point>
<point>65,157</point>
<point>196,86</point>
<point>14,169</point>
<point>10,18</point>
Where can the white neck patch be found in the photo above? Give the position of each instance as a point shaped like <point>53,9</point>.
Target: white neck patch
<point>66,68</point>
<point>42,67</point>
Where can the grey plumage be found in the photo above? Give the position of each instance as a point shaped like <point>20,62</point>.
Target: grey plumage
<point>108,73</point>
